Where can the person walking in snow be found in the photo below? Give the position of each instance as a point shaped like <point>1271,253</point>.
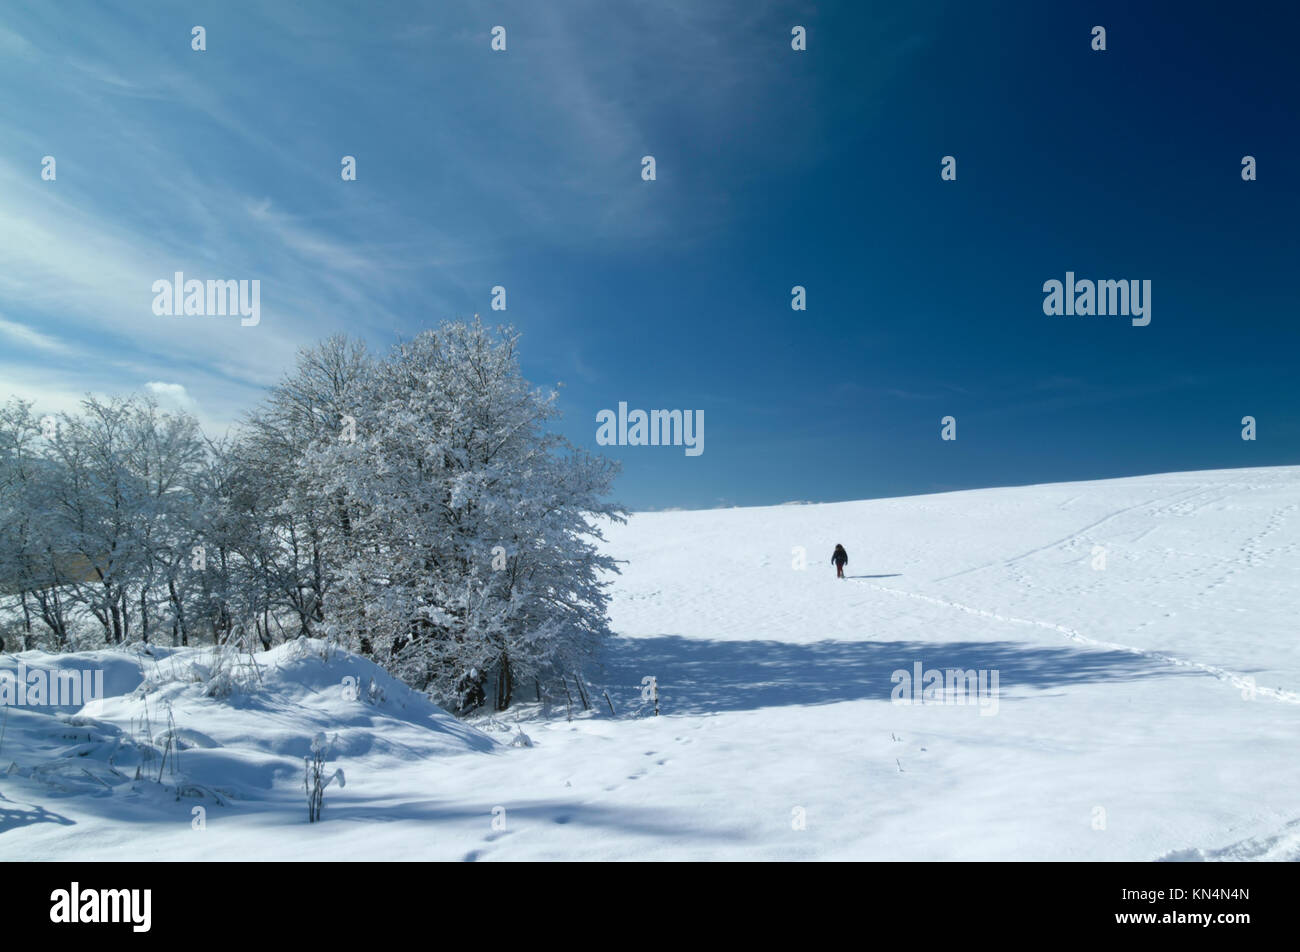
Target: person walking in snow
<point>841,559</point>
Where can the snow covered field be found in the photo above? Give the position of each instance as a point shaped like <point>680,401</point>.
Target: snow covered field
<point>1143,633</point>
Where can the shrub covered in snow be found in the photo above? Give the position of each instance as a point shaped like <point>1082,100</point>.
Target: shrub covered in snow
<point>316,780</point>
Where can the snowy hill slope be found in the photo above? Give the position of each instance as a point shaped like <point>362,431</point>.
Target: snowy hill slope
<point>1143,633</point>
<point>1162,688</point>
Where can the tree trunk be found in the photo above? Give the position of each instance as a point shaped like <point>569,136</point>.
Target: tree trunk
<point>505,684</point>
<point>27,624</point>
<point>179,623</point>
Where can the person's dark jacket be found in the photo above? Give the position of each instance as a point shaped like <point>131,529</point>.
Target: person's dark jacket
<point>839,556</point>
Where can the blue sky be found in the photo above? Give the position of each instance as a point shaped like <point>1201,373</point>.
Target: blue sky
<point>775,168</point>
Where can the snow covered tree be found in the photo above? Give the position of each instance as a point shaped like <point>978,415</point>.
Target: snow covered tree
<point>96,502</point>
<point>95,511</point>
<point>302,524</point>
<point>30,570</point>
<point>470,560</point>
<point>118,509</point>
<point>163,453</point>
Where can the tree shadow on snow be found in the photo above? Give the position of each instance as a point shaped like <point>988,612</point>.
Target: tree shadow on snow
<point>890,575</point>
<point>646,821</point>
<point>697,676</point>
<point>11,819</point>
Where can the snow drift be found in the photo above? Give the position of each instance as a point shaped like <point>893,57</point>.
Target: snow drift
<point>215,724</point>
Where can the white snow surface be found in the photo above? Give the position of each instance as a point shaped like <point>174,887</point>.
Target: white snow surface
<point>1148,709</point>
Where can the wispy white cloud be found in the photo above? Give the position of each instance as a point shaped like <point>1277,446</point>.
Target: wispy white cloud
<point>28,337</point>
<point>14,45</point>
